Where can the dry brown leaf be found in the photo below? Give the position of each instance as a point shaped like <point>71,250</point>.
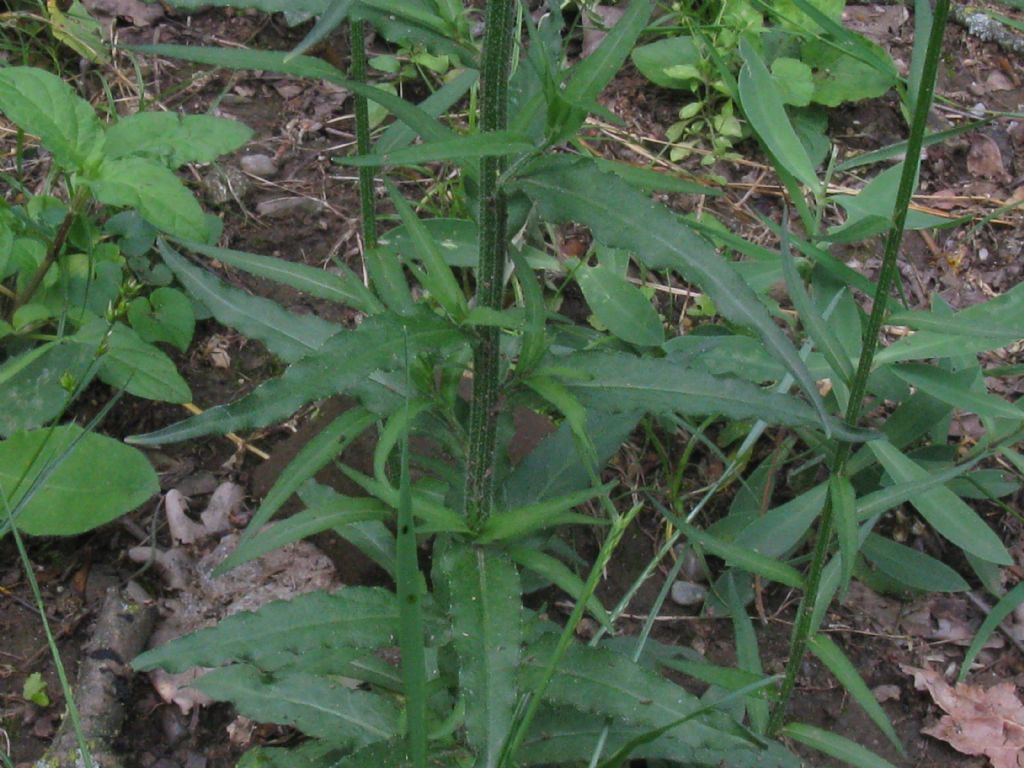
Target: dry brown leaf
<point>985,160</point>
<point>978,721</point>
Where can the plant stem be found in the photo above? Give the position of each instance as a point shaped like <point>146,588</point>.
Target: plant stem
<point>357,31</point>
<point>803,626</point>
<point>56,245</point>
<point>493,217</point>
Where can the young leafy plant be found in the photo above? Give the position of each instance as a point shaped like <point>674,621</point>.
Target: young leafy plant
<point>71,306</point>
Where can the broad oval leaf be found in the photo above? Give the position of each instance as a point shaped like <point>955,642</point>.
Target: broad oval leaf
<point>96,480</point>
<point>175,139</point>
<point>30,383</point>
<point>43,105</point>
<point>154,191</point>
<point>127,362</point>
<point>620,306</point>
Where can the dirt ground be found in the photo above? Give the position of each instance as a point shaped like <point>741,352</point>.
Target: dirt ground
<point>300,125</point>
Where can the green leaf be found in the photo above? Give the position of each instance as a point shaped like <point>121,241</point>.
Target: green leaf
<point>437,276</point>
<point>34,690</point>
<point>620,306</point>
<point>603,683</point>
<point>742,557</point>
<point>131,364</point>
<point>1006,605</point>
<point>343,363</point>
<point>622,217</point>
<point>175,139</point>
<point>764,108</point>
<point>522,521</point>
<point>559,574</point>
<point>388,280</point>
<point>154,191</point>
<point>98,480</point>
<point>305,66</point>
<point>470,146</point>
<point>835,745</point>
<point>399,134</point>
<point>486,609</point>
<point>621,382</point>
<point>341,285</point>
<point>793,79</point>
<point>554,467</point>
<point>165,315</point>
<point>910,567</point>
<point>949,388</point>
<point>650,180</point>
<point>656,59</point>
<point>304,524</point>
<point>840,77</point>
<point>373,539</point>
<point>813,322</point>
<point>286,334</point>
<point>748,657</point>
<point>45,106</point>
<point>989,325</point>
<point>317,706</point>
<point>353,617</point>
<point>843,499</point>
<point>436,517</point>
<point>590,76</point>
<point>943,509</point>
<point>30,383</point>
<point>333,15</point>
<point>832,656</point>
<point>326,445</point>
<point>729,678</point>
<point>566,736</point>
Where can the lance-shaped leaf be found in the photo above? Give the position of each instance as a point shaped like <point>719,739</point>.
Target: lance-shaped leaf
<point>343,362</point>
<point>620,382</point>
<point>484,592</point>
<point>286,334</point>
<point>619,216</point>
<point>354,617</point>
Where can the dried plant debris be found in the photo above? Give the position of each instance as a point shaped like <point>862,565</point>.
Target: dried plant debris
<point>201,599</point>
<point>978,721</point>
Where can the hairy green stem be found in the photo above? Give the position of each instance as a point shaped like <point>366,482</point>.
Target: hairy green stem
<point>362,113</point>
<point>803,626</point>
<point>497,63</point>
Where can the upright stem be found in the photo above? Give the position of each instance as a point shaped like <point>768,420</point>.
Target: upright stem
<point>366,196</point>
<point>858,388</point>
<point>493,217</point>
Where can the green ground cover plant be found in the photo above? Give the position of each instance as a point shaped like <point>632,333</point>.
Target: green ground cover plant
<point>484,680</point>
<point>80,297</point>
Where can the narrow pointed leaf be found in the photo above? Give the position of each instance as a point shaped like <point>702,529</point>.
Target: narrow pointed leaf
<point>485,596</point>
<point>329,20</point>
<point>621,217</point>
<point>559,574</point>
<point>620,306</point>
<point>844,510</point>
<point>832,656</point>
<point>519,522</point>
<point>287,335</point>
<point>467,147</point>
<point>438,276</point>
<point>943,509</point>
<point>910,567</point>
<point>589,77</point>
<point>835,745</point>
<point>343,362</point>
<point>315,705</point>
<point>343,287</point>
<point>354,617</point>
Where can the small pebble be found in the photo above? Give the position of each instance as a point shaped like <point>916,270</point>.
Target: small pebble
<point>281,207</point>
<point>259,165</point>
<point>978,110</point>
<point>687,593</point>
